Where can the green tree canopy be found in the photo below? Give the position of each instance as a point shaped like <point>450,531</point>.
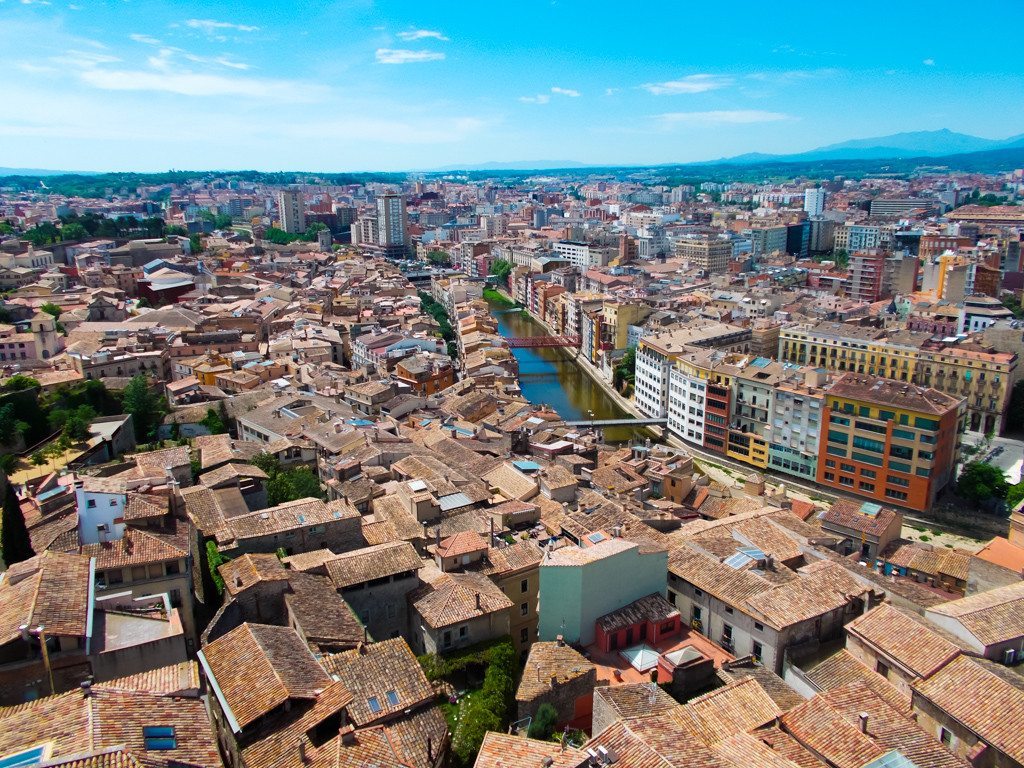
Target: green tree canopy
<point>501,269</point>
<point>980,482</point>
<point>146,407</point>
<point>73,231</point>
<point>544,722</point>
<point>52,309</point>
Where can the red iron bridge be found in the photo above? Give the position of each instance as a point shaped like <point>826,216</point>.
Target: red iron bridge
<point>536,342</point>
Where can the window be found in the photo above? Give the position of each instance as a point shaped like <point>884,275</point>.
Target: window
<point>728,610</point>
<point>869,487</point>
<point>758,626</point>
<point>898,495</point>
<point>830,463</point>
<point>159,737</point>
<point>848,468</point>
<point>524,609</point>
<point>463,632</point>
<point>946,737</point>
<point>113,502</point>
<point>524,585</point>
<point>173,567</point>
<point>90,503</point>
<point>757,651</point>
<point>698,593</point>
<point>524,635</point>
<point>138,572</point>
<point>446,639</point>
<point>830,477</point>
<point>882,669</point>
<point>695,613</point>
<point>727,633</point>
<point>115,576</point>
<point>374,703</point>
<point>847,481</point>
<point>392,698</point>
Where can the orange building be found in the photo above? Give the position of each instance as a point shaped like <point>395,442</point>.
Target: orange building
<point>888,440</point>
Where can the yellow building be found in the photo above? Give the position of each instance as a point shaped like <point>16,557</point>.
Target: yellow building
<point>962,369</point>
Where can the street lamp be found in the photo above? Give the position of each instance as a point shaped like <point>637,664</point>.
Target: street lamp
<point>40,633</point>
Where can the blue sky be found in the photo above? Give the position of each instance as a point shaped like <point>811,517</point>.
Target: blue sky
<point>303,85</point>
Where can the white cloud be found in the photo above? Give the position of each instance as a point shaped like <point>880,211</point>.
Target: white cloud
<point>929,62</point>
<point>224,61</point>
<point>610,91</point>
<point>721,117</point>
<point>145,39</point>
<point>688,84</point>
<point>212,27</point>
<point>541,98</point>
<point>792,75</point>
<point>565,91</point>
<point>402,56</point>
<point>421,34</point>
<point>198,84</point>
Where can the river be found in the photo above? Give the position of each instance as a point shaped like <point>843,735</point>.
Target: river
<point>551,376</point>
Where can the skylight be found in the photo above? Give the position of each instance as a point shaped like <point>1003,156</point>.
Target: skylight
<point>24,758</point>
<point>374,704</point>
<point>392,698</point>
<point>159,737</point>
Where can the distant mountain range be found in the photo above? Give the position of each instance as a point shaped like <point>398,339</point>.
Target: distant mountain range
<point>941,143</point>
<point>960,151</point>
<point>42,172</point>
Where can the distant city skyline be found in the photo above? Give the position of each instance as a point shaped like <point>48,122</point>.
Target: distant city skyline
<point>396,85</point>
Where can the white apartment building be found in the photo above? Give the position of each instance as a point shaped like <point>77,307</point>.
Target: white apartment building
<point>583,255</point>
<point>392,221</point>
<point>686,406</point>
<point>652,380</point>
<point>814,201</point>
<point>857,237</point>
<point>291,210</point>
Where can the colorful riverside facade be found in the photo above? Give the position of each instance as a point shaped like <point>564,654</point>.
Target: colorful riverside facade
<point>888,440</point>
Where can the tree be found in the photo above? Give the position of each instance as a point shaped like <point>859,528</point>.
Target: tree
<point>213,422</point>
<point>501,269</point>
<point>438,257</point>
<point>625,371</point>
<point>145,406</point>
<point>10,426</point>
<point>214,560</point>
<point>37,459</point>
<point>14,539</point>
<point>196,244</point>
<point>52,309</point>
<point>1015,409</point>
<point>20,381</point>
<point>544,722</point>
<point>8,463</point>
<point>980,482</point>
<point>313,230</point>
<point>73,231</point>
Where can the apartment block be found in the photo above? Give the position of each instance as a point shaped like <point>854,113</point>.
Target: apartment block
<point>960,368</point>
<point>889,441</point>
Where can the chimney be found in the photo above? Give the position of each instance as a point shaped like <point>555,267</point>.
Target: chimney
<point>302,750</point>
<point>437,536</point>
<point>348,734</point>
<point>238,581</point>
<point>547,762</point>
<point>86,686</point>
<point>430,750</point>
<point>366,636</point>
<point>554,680</point>
<point>560,640</point>
<point>863,717</point>
<point>478,601</point>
